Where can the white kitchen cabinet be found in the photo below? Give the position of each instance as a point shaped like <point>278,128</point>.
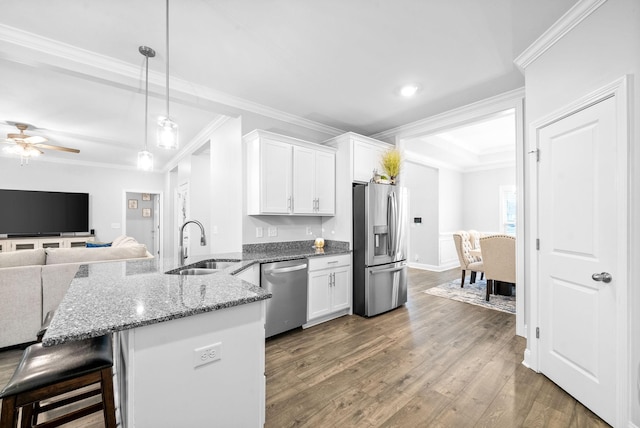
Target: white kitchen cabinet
<point>287,176</point>
<point>314,181</point>
<point>329,288</point>
<point>366,158</point>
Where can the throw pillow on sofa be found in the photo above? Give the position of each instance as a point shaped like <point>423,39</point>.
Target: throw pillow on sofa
<point>124,240</point>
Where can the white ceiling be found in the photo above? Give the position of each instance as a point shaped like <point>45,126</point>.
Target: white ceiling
<point>485,144</point>
<point>72,69</point>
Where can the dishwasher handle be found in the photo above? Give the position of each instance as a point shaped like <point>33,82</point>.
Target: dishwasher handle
<point>286,269</point>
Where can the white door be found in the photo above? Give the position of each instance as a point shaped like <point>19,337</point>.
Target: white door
<point>577,212</point>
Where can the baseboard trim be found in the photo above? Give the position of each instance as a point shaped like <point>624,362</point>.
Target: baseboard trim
<point>432,268</point>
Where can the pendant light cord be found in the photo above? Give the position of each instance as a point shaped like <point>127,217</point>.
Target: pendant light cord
<point>146,101</point>
<point>167,35</point>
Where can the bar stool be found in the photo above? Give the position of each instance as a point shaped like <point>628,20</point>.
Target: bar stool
<point>45,373</point>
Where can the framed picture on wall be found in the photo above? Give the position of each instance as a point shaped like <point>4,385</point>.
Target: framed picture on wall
<point>133,204</point>
<point>146,196</point>
<point>146,212</point>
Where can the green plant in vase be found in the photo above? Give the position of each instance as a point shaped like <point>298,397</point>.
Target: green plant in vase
<point>391,161</point>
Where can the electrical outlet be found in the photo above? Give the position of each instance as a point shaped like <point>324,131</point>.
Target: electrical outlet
<point>207,354</point>
<point>309,230</point>
<point>273,231</point>
<point>215,230</point>
<point>258,232</point>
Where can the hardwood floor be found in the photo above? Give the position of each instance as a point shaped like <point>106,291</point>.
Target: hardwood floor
<point>433,363</point>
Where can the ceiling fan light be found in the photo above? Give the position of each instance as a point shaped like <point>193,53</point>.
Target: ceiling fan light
<point>167,133</point>
<point>145,160</point>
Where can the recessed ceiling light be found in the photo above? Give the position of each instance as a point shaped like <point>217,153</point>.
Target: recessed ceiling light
<point>409,90</point>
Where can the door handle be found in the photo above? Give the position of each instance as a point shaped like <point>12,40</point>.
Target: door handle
<point>604,277</point>
<point>373,272</point>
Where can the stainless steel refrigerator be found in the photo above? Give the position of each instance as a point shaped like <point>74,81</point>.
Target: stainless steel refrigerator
<point>379,248</point>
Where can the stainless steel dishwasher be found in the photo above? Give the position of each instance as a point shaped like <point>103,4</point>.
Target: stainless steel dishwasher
<point>287,281</point>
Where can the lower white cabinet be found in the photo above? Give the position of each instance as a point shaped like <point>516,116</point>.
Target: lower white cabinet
<point>329,286</point>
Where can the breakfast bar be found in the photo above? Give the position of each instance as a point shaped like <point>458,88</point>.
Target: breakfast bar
<point>189,349</point>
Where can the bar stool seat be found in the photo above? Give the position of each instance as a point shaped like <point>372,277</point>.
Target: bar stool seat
<point>46,372</point>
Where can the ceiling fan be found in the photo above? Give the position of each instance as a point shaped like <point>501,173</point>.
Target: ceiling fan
<point>27,146</point>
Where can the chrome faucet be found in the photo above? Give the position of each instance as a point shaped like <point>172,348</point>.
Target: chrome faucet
<point>182,249</point>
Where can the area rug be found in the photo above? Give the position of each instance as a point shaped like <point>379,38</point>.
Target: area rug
<point>474,294</point>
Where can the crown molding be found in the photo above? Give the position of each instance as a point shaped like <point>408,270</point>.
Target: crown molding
<point>578,13</point>
<point>19,46</point>
<point>456,117</point>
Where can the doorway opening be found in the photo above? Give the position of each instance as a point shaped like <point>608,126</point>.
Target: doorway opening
<point>142,219</point>
<point>474,157</point>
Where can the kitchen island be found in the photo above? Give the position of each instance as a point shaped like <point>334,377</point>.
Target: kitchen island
<point>190,349</point>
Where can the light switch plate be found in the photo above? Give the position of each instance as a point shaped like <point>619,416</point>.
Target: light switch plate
<point>258,232</point>
<point>273,231</point>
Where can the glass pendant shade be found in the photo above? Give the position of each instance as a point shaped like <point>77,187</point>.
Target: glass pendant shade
<point>145,160</point>
<point>167,133</point>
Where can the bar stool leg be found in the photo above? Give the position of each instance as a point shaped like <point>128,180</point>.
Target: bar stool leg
<point>27,416</point>
<point>9,415</point>
<point>107,398</point>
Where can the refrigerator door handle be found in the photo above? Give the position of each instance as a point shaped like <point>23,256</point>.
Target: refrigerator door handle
<point>394,269</point>
<point>392,219</point>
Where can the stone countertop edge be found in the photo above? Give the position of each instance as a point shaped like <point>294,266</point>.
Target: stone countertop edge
<point>79,317</point>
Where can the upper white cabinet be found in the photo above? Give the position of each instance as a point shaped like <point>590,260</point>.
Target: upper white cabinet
<point>366,158</point>
<point>287,176</point>
<point>359,155</point>
<point>314,181</point>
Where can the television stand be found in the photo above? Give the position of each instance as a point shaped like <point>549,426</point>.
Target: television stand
<point>32,243</point>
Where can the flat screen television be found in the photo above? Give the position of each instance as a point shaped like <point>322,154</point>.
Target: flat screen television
<point>35,213</point>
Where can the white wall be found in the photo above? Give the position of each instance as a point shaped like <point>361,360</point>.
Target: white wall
<point>227,176</point>
<point>105,186</point>
<point>601,49</point>
<point>199,202</point>
<point>451,202</point>
<point>481,196</point>
<point>422,184</point>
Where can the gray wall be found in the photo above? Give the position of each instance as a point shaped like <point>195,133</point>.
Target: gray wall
<point>422,184</point>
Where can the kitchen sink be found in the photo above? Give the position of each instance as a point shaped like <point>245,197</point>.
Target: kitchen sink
<point>196,271</point>
<point>204,267</point>
<point>215,264</point>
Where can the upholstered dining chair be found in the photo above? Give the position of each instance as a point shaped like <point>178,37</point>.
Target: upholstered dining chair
<point>474,237</point>
<point>467,261</point>
<point>499,258</point>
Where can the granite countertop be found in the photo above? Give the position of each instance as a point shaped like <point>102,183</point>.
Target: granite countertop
<point>114,296</point>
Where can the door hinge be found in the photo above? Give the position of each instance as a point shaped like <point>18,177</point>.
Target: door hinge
<point>537,332</point>
<point>537,244</point>
<point>537,152</point>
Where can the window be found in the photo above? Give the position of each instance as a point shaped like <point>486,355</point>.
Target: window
<point>508,210</point>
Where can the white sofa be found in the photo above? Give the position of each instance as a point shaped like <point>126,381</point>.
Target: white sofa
<point>33,282</point>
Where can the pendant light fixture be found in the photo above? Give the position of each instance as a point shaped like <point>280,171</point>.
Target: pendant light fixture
<point>167,133</point>
<point>145,157</point>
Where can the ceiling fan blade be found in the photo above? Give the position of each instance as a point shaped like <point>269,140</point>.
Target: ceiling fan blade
<point>62,149</point>
<point>35,140</point>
